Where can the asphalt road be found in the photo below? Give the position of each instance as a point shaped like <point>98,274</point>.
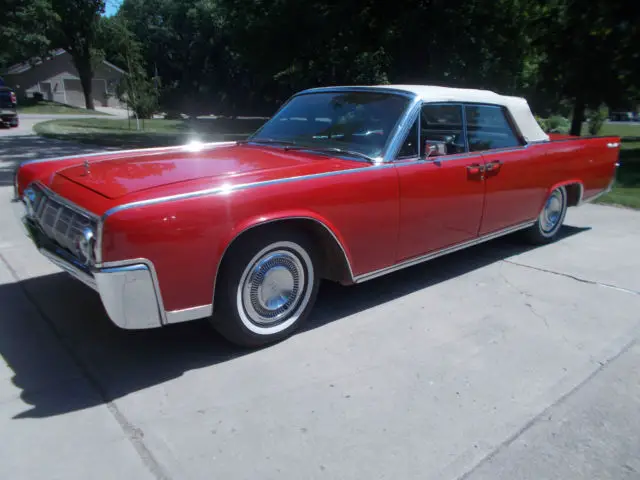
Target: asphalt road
<point>499,362</point>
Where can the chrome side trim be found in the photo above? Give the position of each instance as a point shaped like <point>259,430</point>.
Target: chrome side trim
<point>154,278</point>
<point>599,194</point>
<point>594,197</point>
<point>226,249</point>
<point>72,270</point>
<point>430,256</point>
<point>234,188</point>
<point>187,314</point>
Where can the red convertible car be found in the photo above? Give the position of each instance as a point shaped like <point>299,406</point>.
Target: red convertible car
<point>342,183</point>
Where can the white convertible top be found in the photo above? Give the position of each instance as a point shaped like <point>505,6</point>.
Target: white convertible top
<point>517,106</point>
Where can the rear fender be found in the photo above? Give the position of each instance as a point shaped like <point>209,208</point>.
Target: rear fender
<point>565,183</point>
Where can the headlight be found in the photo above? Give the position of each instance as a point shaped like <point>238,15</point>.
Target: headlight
<point>85,245</point>
<point>29,199</point>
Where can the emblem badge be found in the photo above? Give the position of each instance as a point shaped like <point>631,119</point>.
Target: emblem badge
<point>87,171</point>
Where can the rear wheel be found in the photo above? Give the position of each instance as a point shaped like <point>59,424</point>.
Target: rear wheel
<point>266,288</point>
<point>549,222</point>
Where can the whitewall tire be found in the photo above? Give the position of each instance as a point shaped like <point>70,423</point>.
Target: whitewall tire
<point>550,220</point>
<point>266,287</point>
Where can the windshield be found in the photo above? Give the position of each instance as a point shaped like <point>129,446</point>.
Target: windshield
<point>350,121</point>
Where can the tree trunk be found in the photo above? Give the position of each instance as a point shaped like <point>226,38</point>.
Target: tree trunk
<point>86,77</point>
<point>578,116</point>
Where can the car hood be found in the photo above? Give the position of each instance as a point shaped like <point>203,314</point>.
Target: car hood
<point>138,171</point>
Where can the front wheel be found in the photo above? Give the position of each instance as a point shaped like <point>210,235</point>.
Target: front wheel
<point>266,288</point>
<point>549,222</point>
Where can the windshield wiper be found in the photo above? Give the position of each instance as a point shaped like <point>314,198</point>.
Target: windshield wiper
<point>273,141</point>
<point>333,150</point>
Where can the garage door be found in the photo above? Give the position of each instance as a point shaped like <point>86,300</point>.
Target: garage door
<point>73,90</point>
<point>76,97</point>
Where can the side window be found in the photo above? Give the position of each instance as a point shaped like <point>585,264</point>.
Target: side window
<point>488,129</point>
<point>409,148</point>
<point>441,129</point>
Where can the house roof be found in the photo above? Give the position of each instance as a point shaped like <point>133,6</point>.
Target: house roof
<point>28,65</point>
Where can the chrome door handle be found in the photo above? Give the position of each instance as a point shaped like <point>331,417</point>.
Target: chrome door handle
<point>493,166</point>
<point>475,169</point>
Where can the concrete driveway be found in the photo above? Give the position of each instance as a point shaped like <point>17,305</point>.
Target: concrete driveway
<point>499,362</point>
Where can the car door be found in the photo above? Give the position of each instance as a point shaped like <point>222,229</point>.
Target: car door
<point>515,185</point>
<point>441,191</point>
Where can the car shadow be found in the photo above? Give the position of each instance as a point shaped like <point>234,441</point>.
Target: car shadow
<point>117,362</point>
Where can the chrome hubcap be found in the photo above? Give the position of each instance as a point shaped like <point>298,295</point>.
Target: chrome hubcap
<point>272,287</point>
<point>552,211</point>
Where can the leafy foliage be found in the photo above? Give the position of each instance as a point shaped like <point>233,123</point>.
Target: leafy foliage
<point>554,124</point>
<point>75,29</point>
<point>248,56</point>
<point>24,30</point>
<point>595,119</point>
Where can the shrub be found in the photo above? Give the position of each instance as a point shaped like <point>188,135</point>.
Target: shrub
<point>543,123</point>
<point>595,119</point>
<point>557,124</point>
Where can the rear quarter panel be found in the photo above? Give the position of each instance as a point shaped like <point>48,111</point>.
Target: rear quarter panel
<point>590,161</point>
<point>185,239</point>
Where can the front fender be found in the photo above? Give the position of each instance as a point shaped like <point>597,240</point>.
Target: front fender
<point>278,216</point>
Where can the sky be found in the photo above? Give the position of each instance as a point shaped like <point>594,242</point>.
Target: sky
<point>112,7</point>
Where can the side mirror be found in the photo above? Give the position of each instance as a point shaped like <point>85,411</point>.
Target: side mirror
<point>434,149</point>
<point>429,149</point>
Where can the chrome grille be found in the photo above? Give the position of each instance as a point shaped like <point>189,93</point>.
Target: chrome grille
<point>59,222</point>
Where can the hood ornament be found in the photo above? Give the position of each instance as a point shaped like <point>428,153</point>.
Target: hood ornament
<point>87,170</point>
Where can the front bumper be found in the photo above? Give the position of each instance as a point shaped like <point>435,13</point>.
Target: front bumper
<point>129,290</point>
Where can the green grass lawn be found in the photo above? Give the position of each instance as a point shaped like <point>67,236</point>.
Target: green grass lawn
<point>156,132</point>
<point>53,108</point>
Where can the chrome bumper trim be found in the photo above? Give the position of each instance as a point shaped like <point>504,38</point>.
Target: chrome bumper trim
<point>71,269</point>
<point>129,296</point>
<point>130,293</point>
<point>187,314</point>
<point>129,289</point>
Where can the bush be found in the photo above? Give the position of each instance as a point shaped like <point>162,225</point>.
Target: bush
<point>38,97</point>
<point>595,120</point>
<point>543,123</point>
<point>554,124</point>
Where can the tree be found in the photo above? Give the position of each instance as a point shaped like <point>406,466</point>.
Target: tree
<point>122,47</point>
<point>75,30</point>
<point>23,35</point>
<point>590,53</point>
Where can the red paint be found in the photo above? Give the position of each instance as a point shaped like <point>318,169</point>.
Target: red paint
<point>440,204</point>
<point>381,215</point>
<point>516,182</point>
